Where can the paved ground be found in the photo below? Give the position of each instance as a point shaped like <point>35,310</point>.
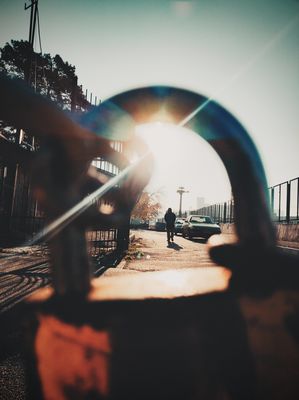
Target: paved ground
<point>150,252</point>
<point>22,271</point>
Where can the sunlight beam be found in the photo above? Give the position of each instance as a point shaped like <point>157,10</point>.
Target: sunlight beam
<point>65,219</point>
<point>244,68</point>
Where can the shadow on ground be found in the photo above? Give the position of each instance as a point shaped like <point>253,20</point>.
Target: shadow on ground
<point>198,240</point>
<point>174,246</point>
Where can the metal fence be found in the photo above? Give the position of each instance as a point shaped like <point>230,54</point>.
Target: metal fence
<point>21,218</point>
<point>19,211</point>
<point>284,201</point>
<point>221,212</point>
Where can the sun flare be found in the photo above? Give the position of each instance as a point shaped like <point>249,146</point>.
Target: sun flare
<point>183,158</point>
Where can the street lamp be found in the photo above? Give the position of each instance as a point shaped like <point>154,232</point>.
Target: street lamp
<point>181,190</point>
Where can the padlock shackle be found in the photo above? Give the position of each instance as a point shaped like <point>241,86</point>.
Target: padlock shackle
<point>220,129</point>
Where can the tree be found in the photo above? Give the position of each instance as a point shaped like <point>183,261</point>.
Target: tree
<point>52,77</point>
<point>147,207</point>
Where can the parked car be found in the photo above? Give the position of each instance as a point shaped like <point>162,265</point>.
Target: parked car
<point>138,225</point>
<point>157,226</point>
<point>178,225</point>
<point>160,226</point>
<point>200,226</point>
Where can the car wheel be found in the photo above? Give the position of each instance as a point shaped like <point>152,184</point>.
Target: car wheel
<point>183,234</point>
<point>190,235</point>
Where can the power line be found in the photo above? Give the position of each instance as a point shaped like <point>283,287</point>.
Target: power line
<point>33,14</point>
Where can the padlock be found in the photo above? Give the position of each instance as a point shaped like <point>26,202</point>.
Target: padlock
<point>224,333</point>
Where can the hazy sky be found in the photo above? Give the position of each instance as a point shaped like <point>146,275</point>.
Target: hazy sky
<point>244,53</point>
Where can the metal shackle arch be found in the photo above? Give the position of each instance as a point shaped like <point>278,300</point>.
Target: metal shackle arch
<point>214,124</point>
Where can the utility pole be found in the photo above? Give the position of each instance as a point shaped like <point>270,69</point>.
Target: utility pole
<point>13,172</point>
<point>33,14</point>
<point>181,190</point>
<point>27,72</point>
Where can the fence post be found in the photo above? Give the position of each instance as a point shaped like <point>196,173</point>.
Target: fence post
<point>288,202</point>
<point>7,201</point>
<point>224,212</point>
<point>272,199</point>
<point>279,202</point>
<point>123,234</point>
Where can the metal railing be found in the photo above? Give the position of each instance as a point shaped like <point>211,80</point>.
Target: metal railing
<point>284,201</point>
<point>21,217</point>
<point>221,212</point>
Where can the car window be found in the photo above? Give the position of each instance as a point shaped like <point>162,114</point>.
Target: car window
<point>201,220</point>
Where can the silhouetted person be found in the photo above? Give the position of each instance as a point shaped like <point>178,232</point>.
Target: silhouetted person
<point>169,219</point>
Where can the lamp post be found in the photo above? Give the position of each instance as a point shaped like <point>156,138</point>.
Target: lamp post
<point>181,190</point>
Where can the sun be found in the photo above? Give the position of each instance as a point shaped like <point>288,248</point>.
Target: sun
<point>183,158</point>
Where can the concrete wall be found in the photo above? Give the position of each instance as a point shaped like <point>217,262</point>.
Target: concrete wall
<point>286,232</point>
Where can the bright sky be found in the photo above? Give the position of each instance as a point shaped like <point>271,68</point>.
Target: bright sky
<point>182,158</point>
<point>245,54</point>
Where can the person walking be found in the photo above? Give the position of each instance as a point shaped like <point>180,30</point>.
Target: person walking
<point>169,219</point>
